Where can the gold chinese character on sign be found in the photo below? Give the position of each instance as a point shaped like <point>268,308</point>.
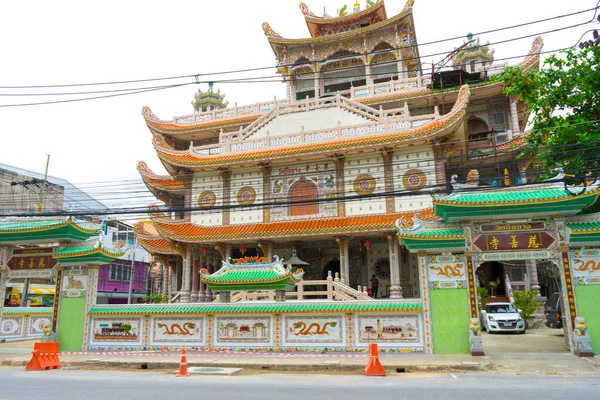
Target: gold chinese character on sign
<point>494,243</point>
<point>31,263</point>
<point>513,243</point>
<point>21,263</point>
<point>41,264</point>
<point>533,242</point>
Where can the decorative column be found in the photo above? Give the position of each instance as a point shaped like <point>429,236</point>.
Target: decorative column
<point>226,177</point>
<point>217,264</point>
<point>369,72</point>
<point>395,288</point>
<point>440,164</point>
<point>202,294</point>
<point>209,266</point>
<point>533,276</point>
<point>266,192</point>
<point>514,116</point>
<point>186,276</point>
<point>317,83</point>
<point>195,264</point>
<point>424,282</point>
<point>344,259</point>
<point>341,191</point>
<point>388,177</point>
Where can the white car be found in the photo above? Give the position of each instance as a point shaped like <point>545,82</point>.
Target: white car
<point>502,317</point>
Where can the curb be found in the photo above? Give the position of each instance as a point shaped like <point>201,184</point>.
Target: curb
<point>307,367</point>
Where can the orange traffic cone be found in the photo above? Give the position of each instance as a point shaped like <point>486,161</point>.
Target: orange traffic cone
<point>183,365</point>
<point>374,367</point>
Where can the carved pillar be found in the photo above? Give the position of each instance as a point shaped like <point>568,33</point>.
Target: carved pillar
<point>186,276</point>
<point>187,179</point>
<point>209,266</point>
<point>514,116</point>
<point>165,275</point>
<point>341,191</point>
<point>424,283</point>
<point>266,171</point>
<point>388,176</point>
<point>344,259</point>
<point>440,164</point>
<point>317,84</point>
<point>202,294</point>
<point>226,177</point>
<point>395,288</point>
<point>533,276</point>
<point>217,265</point>
<point>369,72</point>
<point>195,266</point>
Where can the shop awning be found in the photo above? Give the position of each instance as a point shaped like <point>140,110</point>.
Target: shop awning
<point>34,290</point>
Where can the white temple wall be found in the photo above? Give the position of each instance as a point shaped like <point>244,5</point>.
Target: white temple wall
<point>311,121</point>
<point>414,171</point>
<point>207,192</point>
<point>358,170</point>
<point>246,188</point>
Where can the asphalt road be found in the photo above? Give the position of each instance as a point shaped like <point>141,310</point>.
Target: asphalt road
<point>17,384</point>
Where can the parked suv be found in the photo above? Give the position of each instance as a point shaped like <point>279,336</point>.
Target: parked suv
<point>553,311</point>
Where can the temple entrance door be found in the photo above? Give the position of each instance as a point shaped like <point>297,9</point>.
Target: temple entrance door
<point>491,276</point>
<point>306,191</point>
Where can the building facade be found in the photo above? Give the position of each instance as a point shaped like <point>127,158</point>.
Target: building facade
<point>361,140</point>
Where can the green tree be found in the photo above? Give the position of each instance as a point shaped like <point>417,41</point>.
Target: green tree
<point>525,301</point>
<point>564,100</point>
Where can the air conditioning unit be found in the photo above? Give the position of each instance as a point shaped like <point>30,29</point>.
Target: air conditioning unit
<point>501,138</point>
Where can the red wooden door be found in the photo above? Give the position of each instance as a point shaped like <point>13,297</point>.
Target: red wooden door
<point>305,191</point>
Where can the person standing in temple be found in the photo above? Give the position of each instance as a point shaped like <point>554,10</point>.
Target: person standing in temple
<point>374,286</point>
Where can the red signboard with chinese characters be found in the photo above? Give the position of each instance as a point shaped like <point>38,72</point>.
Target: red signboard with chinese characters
<point>39,258</point>
<point>514,241</point>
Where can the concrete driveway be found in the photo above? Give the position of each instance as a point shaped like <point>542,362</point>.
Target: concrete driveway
<point>543,340</point>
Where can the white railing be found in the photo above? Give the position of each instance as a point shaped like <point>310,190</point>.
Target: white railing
<point>175,298</point>
<point>232,144</point>
<point>335,289</point>
<point>399,85</point>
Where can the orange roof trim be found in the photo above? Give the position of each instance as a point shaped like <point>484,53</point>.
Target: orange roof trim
<point>185,231</point>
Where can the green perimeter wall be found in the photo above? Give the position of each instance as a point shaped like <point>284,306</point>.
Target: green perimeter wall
<point>588,306</point>
<point>70,323</point>
<point>450,320</point>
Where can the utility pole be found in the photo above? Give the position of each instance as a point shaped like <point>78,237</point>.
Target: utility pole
<point>43,191</point>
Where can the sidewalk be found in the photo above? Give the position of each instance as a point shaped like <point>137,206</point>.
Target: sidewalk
<point>17,354</point>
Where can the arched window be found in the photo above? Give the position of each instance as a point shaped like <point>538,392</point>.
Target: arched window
<point>305,191</point>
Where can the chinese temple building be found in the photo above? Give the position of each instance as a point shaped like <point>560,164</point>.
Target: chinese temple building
<point>360,141</point>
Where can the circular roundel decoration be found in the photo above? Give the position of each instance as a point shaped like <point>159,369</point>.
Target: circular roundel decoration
<point>364,184</point>
<point>382,268</point>
<point>414,179</point>
<point>207,199</point>
<point>246,196</point>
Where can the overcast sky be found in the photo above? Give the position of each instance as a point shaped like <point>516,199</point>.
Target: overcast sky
<point>63,42</point>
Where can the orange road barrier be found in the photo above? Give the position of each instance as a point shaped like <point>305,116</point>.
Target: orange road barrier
<point>183,365</point>
<point>374,367</point>
<point>44,357</point>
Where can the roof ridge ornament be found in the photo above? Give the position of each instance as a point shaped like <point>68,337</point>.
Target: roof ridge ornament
<point>269,31</point>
